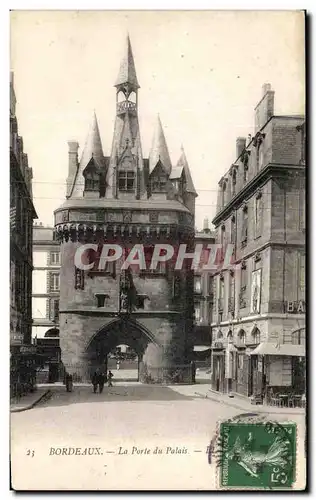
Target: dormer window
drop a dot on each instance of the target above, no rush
(92, 181)
(126, 180)
(91, 177)
(158, 184)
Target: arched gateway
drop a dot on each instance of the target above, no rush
(119, 331)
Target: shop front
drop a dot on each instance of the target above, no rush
(218, 367)
(279, 370)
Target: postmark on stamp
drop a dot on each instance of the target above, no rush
(256, 454)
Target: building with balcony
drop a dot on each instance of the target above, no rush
(258, 340)
(22, 214)
(45, 301)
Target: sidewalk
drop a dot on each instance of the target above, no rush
(29, 400)
(240, 402)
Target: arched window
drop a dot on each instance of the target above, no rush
(132, 97)
(229, 336)
(219, 335)
(120, 96)
(255, 336)
(241, 337)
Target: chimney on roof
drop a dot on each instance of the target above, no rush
(240, 145)
(73, 147)
(206, 228)
(265, 108)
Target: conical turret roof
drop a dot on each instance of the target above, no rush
(127, 72)
(183, 162)
(159, 149)
(92, 149)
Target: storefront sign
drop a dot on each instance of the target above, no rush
(29, 349)
(295, 307)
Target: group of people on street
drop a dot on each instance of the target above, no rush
(99, 378)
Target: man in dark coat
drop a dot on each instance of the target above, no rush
(95, 381)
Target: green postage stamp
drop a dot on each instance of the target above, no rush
(256, 455)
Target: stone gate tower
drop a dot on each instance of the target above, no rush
(125, 199)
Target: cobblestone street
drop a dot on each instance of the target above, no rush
(125, 428)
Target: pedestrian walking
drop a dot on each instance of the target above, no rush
(110, 376)
(118, 364)
(101, 382)
(95, 381)
(69, 383)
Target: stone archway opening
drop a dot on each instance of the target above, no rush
(122, 340)
(123, 361)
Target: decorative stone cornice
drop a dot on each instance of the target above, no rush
(94, 232)
(271, 170)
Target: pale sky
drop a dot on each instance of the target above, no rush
(202, 71)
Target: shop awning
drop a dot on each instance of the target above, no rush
(199, 348)
(271, 349)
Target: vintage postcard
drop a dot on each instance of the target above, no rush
(157, 267)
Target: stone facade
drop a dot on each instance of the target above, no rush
(260, 298)
(22, 213)
(127, 200)
(203, 299)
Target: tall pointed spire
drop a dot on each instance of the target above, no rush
(127, 72)
(183, 162)
(93, 145)
(92, 148)
(159, 149)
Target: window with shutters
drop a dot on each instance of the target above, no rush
(244, 226)
(233, 234)
(54, 310)
(258, 215)
(221, 293)
(54, 258)
(223, 243)
(197, 312)
(231, 298)
(197, 284)
(243, 286)
(54, 282)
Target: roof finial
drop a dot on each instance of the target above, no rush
(127, 72)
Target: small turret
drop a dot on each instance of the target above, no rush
(92, 150)
(159, 150)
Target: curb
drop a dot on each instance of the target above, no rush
(30, 406)
(258, 409)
